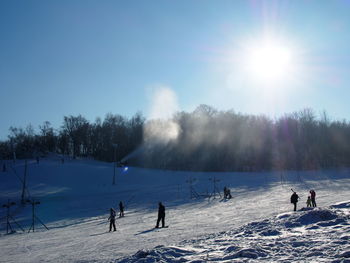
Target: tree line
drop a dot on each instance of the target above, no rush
(206, 140)
(77, 137)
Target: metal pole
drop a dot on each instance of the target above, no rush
(24, 182)
(115, 149)
(33, 204)
(8, 214)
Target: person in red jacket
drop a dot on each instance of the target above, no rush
(313, 198)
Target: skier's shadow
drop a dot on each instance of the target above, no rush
(146, 231)
(98, 234)
(225, 200)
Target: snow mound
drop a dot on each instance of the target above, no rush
(161, 254)
(309, 217)
(345, 204)
(311, 235)
(252, 253)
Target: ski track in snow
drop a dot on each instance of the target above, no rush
(256, 225)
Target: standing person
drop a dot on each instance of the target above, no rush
(112, 220)
(225, 192)
(121, 209)
(161, 215)
(294, 200)
(228, 193)
(313, 198)
(308, 201)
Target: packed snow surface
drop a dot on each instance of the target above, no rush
(257, 224)
(311, 235)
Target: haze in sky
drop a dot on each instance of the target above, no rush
(62, 58)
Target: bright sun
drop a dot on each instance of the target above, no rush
(269, 61)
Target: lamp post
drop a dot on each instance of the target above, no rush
(115, 156)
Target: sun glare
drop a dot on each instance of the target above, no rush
(269, 61)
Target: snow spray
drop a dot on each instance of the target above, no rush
(133, 153)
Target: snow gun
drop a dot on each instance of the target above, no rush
(122, 164)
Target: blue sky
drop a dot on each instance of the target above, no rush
(60, 58)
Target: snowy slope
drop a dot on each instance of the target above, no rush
(75, 198)
(311, 235)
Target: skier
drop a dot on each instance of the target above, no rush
(161, 215)
(308, 202)
(228, 193)
(294, 200)
(225, 192)
(112, 220)
(121, 209)
(313, 198)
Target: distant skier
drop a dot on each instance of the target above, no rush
(161, 215)
(313, 198)
(121, 209)
(294, 200)
(228, 195)
(112, 220)
(308, 201)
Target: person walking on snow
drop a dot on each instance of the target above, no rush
(313, 198)
(308, 202)
(294, 200)
(225, 192)
(228, 191)
(121, 209)
(161, 215)
(112, 220)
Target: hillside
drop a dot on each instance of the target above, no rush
(75, 197)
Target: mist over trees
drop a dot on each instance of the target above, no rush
(203, 140)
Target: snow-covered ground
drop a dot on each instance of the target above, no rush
(310, 235)
(256, 225)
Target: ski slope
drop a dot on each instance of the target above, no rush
(257, 224)
(310, 235)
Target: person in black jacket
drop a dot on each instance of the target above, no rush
(161, 215)
(121, 209)
(112, 220)
(294, 200)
